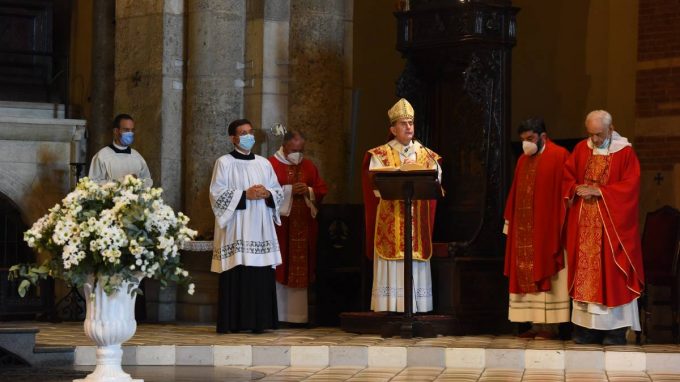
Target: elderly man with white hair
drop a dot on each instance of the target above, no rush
(602, 186)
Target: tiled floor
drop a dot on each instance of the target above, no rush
(192, 338)
(333, 374)
(72, 334)
(441, 374)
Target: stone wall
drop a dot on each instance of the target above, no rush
(214, 96)
(35, 152)
(266, 70)
(573, 57)
(149, 85)
(316, 90)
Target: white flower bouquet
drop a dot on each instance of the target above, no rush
(118, 232)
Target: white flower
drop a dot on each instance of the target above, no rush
(96, 218)
(191, 289)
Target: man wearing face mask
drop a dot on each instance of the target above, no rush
(303, 190)
(534, 213)
(118, 159)
(245, 198)
(384, 238)
(602, 186)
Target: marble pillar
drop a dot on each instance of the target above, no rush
(316, 88)
(266, 70)
(149, 85)
(103, 48)
(214, 96)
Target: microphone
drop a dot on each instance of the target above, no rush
(436, 163)
(431, 156)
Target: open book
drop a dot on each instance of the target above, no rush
(403, 167)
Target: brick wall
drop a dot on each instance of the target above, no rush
(658, 29)
(658, 153)
(657, 94)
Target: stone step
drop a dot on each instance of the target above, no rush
(21, 342)
(661, 358)
(31, 110)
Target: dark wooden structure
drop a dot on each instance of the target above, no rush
(34, 50)
(661, 257)
(343, 274)
(457, 77)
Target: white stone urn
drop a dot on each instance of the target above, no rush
(109, 322)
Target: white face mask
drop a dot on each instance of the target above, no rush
(530, 148)
(294, 158)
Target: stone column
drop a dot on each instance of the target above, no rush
(215, 48)
(316, 89)
(266, 69)
(103, 48)
(149, 85)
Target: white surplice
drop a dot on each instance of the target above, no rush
(108, 165)
(388, 275)
(244, 236)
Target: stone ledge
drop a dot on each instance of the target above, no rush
(41, 129)
(17, 330)
(381, 356)
(197, 246)
(54, 349)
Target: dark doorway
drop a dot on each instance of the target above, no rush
(14, 250)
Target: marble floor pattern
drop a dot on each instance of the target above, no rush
(71, 334)
(354, 374)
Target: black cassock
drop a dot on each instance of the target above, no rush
(247, 297)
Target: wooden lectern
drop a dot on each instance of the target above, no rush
(407, 186)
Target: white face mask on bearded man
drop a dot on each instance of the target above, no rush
(529, 148)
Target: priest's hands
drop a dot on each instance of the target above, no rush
(257, 192)
(300, 189)
(587, 191)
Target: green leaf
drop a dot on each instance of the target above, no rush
(23, 287)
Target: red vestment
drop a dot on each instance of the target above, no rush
(602, 240)
(298, 231)
(535, 212)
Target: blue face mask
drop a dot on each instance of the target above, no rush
(604, 144)
(127, 138)
(246, 142)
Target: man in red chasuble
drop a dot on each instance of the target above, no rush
(534, 213)
(303, 190)
(385, 219)
(602, 186)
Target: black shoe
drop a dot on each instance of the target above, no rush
(615, 337)
(583, 336)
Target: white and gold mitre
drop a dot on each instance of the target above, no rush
(401, 109)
